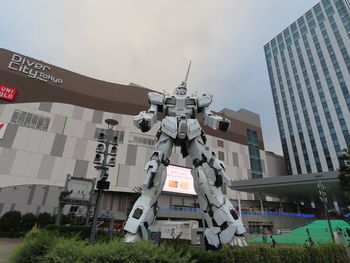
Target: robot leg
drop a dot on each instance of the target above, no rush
(222, 221)
(143, 212)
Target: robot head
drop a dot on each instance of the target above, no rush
(181, 89)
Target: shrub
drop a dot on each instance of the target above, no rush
(47, 246)
(10, 221)
(66, 250)
(36, 244)
(45, 219)
(27, 223)
(82, 231)
(117, 251)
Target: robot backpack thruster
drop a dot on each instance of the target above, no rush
(181, 128)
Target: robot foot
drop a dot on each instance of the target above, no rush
(239, 241)
(130, 237)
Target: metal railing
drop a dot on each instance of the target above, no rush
(268, 213)
(179, 209)
(244, 212)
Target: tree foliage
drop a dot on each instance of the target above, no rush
(28, 221)
(344, 174)
(10, 221)
(45, 219)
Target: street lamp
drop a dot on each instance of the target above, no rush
(104, 159)
(323, 197)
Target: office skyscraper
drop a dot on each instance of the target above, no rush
(309, 65)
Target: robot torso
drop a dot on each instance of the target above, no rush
(180, 111)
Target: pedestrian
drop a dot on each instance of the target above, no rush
(273, 242)
(264, 238)
(311, 241)
(308, 231)
(348, 231)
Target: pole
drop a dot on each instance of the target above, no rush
(324, 199)
(281, 206)
(239, 204)
(103, 176)
(61, 202)
(94, 220)
(59, 214)
(329, 221)
(87, 219)
(261, 204)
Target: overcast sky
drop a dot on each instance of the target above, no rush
(151, 42)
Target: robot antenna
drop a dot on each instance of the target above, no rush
(188, 71)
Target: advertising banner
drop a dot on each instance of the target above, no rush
(81, 189)
(173, 229)
(3, 127)
(179, 180)
(7, 93)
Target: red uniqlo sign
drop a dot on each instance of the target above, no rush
(7, 93)
(3, 127)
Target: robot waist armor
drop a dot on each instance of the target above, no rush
(181, 127)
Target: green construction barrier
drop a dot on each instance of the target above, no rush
(318, 231)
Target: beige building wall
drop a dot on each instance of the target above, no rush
(29, 156)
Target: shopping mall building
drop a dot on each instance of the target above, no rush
(50, 119)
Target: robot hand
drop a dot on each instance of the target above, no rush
(145, 124)
(224, 124)
(144, 121)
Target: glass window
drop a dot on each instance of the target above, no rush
(39, 124)
(254, 154)
(141, 139)
(30, 120)
(15, 117)
(21, 118)
(45, 124)
(221, 156)
(34, 121)
(220, 143)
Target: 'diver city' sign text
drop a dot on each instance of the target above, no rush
(32, 69)
(7, 93)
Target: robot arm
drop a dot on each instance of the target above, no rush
(146, 119)
(211, 120)
(215, 121)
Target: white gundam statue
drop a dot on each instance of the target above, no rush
(181, 128)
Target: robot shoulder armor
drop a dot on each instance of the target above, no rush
(205, 100)
(156, 98)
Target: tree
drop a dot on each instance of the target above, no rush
(344, 174)
(28, 221)
(10, 221)
(45, 219)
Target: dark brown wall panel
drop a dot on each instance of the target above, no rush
(95, 94)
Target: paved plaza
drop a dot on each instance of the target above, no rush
(6, 246)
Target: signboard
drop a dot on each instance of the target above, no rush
(32, 69)
(3, 127)
(7, 93)
(179, 180)
(174, 229)
(80, 187)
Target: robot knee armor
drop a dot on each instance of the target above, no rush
(153, 166)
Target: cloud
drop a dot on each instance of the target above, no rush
(151, 42)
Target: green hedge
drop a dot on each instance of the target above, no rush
(80, 231)
(46, 246)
